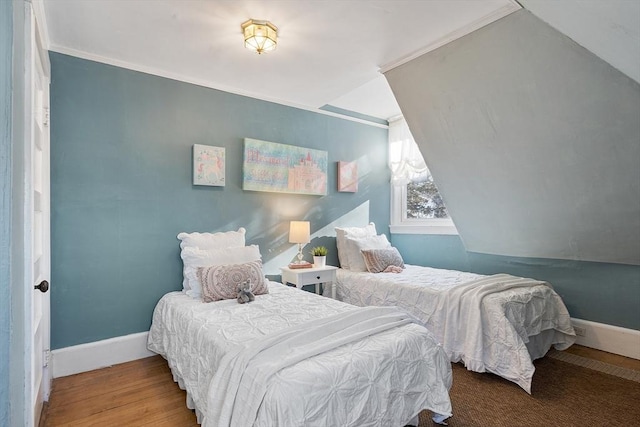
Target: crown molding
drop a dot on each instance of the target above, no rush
(493, 16)
(198, 82)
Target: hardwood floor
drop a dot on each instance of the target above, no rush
(142, 393)
(603, 356)
(138, 393)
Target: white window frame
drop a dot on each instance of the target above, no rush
(408, 164)
(400, 224)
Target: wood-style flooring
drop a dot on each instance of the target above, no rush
(142, 393)
(138, 393)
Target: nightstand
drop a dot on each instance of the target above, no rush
(310, 276)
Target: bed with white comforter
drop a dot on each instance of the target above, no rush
(495, 324)
(256, 364)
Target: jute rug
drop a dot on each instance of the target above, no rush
(563, 394)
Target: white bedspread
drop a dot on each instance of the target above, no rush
(484, 321)
(383, 379)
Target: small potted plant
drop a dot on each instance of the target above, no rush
(319, 256)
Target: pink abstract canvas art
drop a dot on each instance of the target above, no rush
(348, 177)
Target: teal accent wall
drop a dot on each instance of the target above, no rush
(599, 292)
(6, 63)
(121, 187)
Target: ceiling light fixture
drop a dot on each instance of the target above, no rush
(259, 36)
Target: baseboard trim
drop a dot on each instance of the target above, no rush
(612, 339)
(99, 354)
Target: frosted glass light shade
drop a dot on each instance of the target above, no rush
(259, 36)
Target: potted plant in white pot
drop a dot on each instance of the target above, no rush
(319, 256)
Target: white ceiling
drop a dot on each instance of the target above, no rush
(329, 51)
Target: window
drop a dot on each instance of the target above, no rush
(416, 205)
(424, 200)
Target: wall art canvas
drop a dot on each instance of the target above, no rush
(348, 177)
(208, 165)
(281, 168)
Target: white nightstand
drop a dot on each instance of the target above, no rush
(309, 276)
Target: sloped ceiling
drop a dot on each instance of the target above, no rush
(608, 28)
(533, 141)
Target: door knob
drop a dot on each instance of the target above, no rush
(43, 286)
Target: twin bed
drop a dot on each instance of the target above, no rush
(496, 324)
(364, 379)
(290, 357)
(295, 358)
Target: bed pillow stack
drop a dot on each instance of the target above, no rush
(354, 247)
(194, 258)
(224, 249)
(361, 249)
(352, 232)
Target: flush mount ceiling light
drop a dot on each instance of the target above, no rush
(259, 36)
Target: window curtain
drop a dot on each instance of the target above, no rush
(405, 160)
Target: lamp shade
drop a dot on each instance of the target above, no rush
(259, 36)
(299, 232)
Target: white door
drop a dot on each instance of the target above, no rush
(37, 236)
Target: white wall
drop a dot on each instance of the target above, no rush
(532, 140)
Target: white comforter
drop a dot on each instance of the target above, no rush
(487, 327)
(383, 379)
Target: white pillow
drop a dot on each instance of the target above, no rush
(220, 240)
(193, 258)
(354, 247)
(355, 232)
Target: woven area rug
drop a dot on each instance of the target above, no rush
(596, 365)
(563, 394)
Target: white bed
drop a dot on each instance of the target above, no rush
(500, 331)
(384, 379)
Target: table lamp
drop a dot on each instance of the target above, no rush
(299, 233)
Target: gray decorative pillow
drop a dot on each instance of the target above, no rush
(377, 260)
(221, 281)
(354, 247)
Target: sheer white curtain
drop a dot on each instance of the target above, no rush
(405, 160)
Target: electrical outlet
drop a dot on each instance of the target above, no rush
(580, 332)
